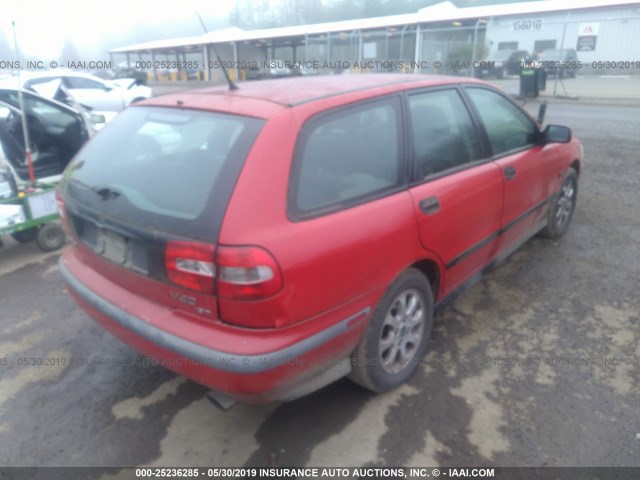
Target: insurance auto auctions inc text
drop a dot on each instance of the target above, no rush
(347, 473)
(375, 64)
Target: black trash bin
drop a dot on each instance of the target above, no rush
(529, 82)
(541, 75)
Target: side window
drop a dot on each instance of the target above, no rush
(507, 127)
(51, 115)
(345, 157)
(49, 112)
(79, 82)
(443, 133)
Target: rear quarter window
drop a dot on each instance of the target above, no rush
(346, 157)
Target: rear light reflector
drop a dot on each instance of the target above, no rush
(247, 273)
(191, 265)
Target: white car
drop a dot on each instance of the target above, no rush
(103, 97)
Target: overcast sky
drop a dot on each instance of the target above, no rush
(96, 26)
(43, 25)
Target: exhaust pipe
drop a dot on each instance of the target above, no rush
(220, 400)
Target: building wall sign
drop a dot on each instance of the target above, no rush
(528, 25)
(587, 37)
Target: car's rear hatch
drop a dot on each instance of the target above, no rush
(146, 197)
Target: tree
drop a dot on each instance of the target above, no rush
(6, 50)
(69, 52)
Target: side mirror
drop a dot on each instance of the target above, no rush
(541, 112)
(556, 134)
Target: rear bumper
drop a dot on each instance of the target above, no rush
(281, 374)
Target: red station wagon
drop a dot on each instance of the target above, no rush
(269, 240)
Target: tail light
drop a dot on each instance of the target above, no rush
(190, 264)
(247, 273)
(235, 273)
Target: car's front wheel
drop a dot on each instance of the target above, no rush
(561, 212)
(396, 338)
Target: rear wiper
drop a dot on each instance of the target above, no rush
(106, 193)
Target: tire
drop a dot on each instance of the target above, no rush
(564, 203)
(396, 338)
(25, 236)
(50, 237)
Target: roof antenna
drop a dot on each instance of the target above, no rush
(232, 86)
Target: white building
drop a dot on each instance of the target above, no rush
(599, 30)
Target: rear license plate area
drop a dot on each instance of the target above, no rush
(112, 246)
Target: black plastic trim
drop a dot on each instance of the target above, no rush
(489, 238)
(488, 267)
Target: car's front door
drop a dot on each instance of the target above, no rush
(530, 171)
(456, 192)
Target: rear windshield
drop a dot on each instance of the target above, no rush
(168, 169)
(554, 54)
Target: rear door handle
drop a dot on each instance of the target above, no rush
(509, 173)
(430, 205)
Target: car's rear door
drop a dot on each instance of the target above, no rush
(457, 190)
(530, 171)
